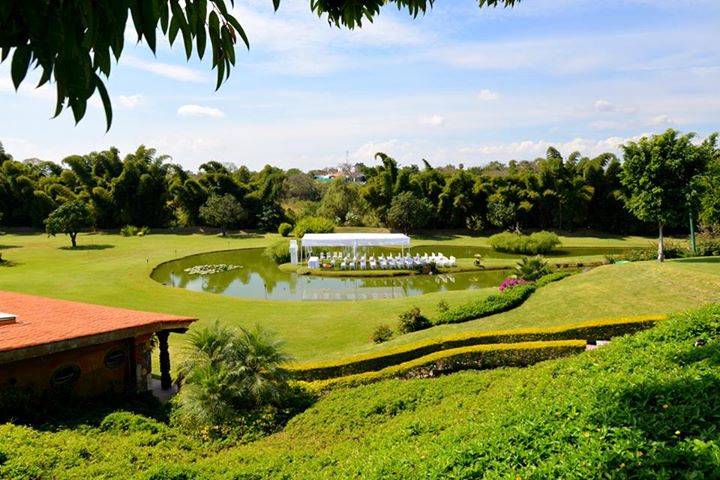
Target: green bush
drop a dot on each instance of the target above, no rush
(313, 225)
(382, 333)
(551, 277)
(120, 422)
(285, 229)
(533, 244)
(456, 359)
(707, 244)
(412, 321)
(603, 329)
(129, 231)
(443, 306)
(532, 268)
(278, 252)
(496, 303)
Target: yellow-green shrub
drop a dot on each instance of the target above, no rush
(456, 359)
(593, 330)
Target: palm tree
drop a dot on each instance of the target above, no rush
(227, 373)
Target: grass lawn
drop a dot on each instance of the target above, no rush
(114, 270)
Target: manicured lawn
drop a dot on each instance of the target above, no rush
(114, 270)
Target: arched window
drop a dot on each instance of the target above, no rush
(116, 358)
(65, 376)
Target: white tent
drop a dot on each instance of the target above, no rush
(355, 240)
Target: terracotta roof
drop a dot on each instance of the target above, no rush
(57, 325)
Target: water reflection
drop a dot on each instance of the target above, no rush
(260, 278)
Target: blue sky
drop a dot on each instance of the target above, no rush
(459, 85)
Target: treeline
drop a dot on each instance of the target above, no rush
(147, 189)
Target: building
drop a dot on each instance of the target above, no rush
(48, 344)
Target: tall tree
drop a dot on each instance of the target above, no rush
(659, 173)
(222, 211)
(70, 218)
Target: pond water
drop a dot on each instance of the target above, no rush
(260, 278)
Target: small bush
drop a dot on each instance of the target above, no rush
(707, 244)
(278, 252)
(532, 268)
(382, 333)
(129, 231)
(511, 282)
(412, 321)
(313, 225)
(129, 422)
(443, 306)
(133, 231)
(284, 229)
(538, 242)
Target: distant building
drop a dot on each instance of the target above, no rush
(48, 344)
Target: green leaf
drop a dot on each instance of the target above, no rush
(107, 105)
(20, 64)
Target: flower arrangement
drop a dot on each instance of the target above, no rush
(511, 282)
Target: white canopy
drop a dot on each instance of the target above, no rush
(354, 239)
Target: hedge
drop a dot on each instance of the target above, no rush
(594, 330)
(533, 244)
(456, 359)
(496, 303)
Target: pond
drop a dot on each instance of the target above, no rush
(260, 278)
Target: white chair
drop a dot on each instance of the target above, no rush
(343, 265)
(363, 264)
(453, 261)
(373, 264)
(390, 263)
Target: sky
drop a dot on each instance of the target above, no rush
(458, 85)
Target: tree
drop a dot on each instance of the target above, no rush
(69, 218)
(222, 211)
(659, 174)
(74, 41)
(228, 373)
(408, 212)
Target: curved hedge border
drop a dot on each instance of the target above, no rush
(593, 330)
(453, 360)
(497, 303)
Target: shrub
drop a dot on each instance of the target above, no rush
(603, 329)
(463, 358)
(509, 299)
(412, 321)
(382, 333)
(551, 277)
(538, 242)
(129, 231)
(443, 306)
(313, 225)
(278, 252)
(707, 244)
(129, 422)
(143, 231)
(532, 268)
(511, 282)
(284, 229)
(229, 374)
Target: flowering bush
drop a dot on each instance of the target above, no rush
(511, 282)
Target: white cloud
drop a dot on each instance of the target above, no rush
(130, 101)
(487, 95)
(199, 111)
(433, 120)
(660, 120)
(604, 106)
(175, 72)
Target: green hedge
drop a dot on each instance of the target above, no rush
(456, 359)
(533, 244)
(594, 330)
(496, 303)
(313, 225)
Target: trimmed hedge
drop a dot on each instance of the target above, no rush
(593, 330)
(456, 359)
(496, 303)
(533, 244)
